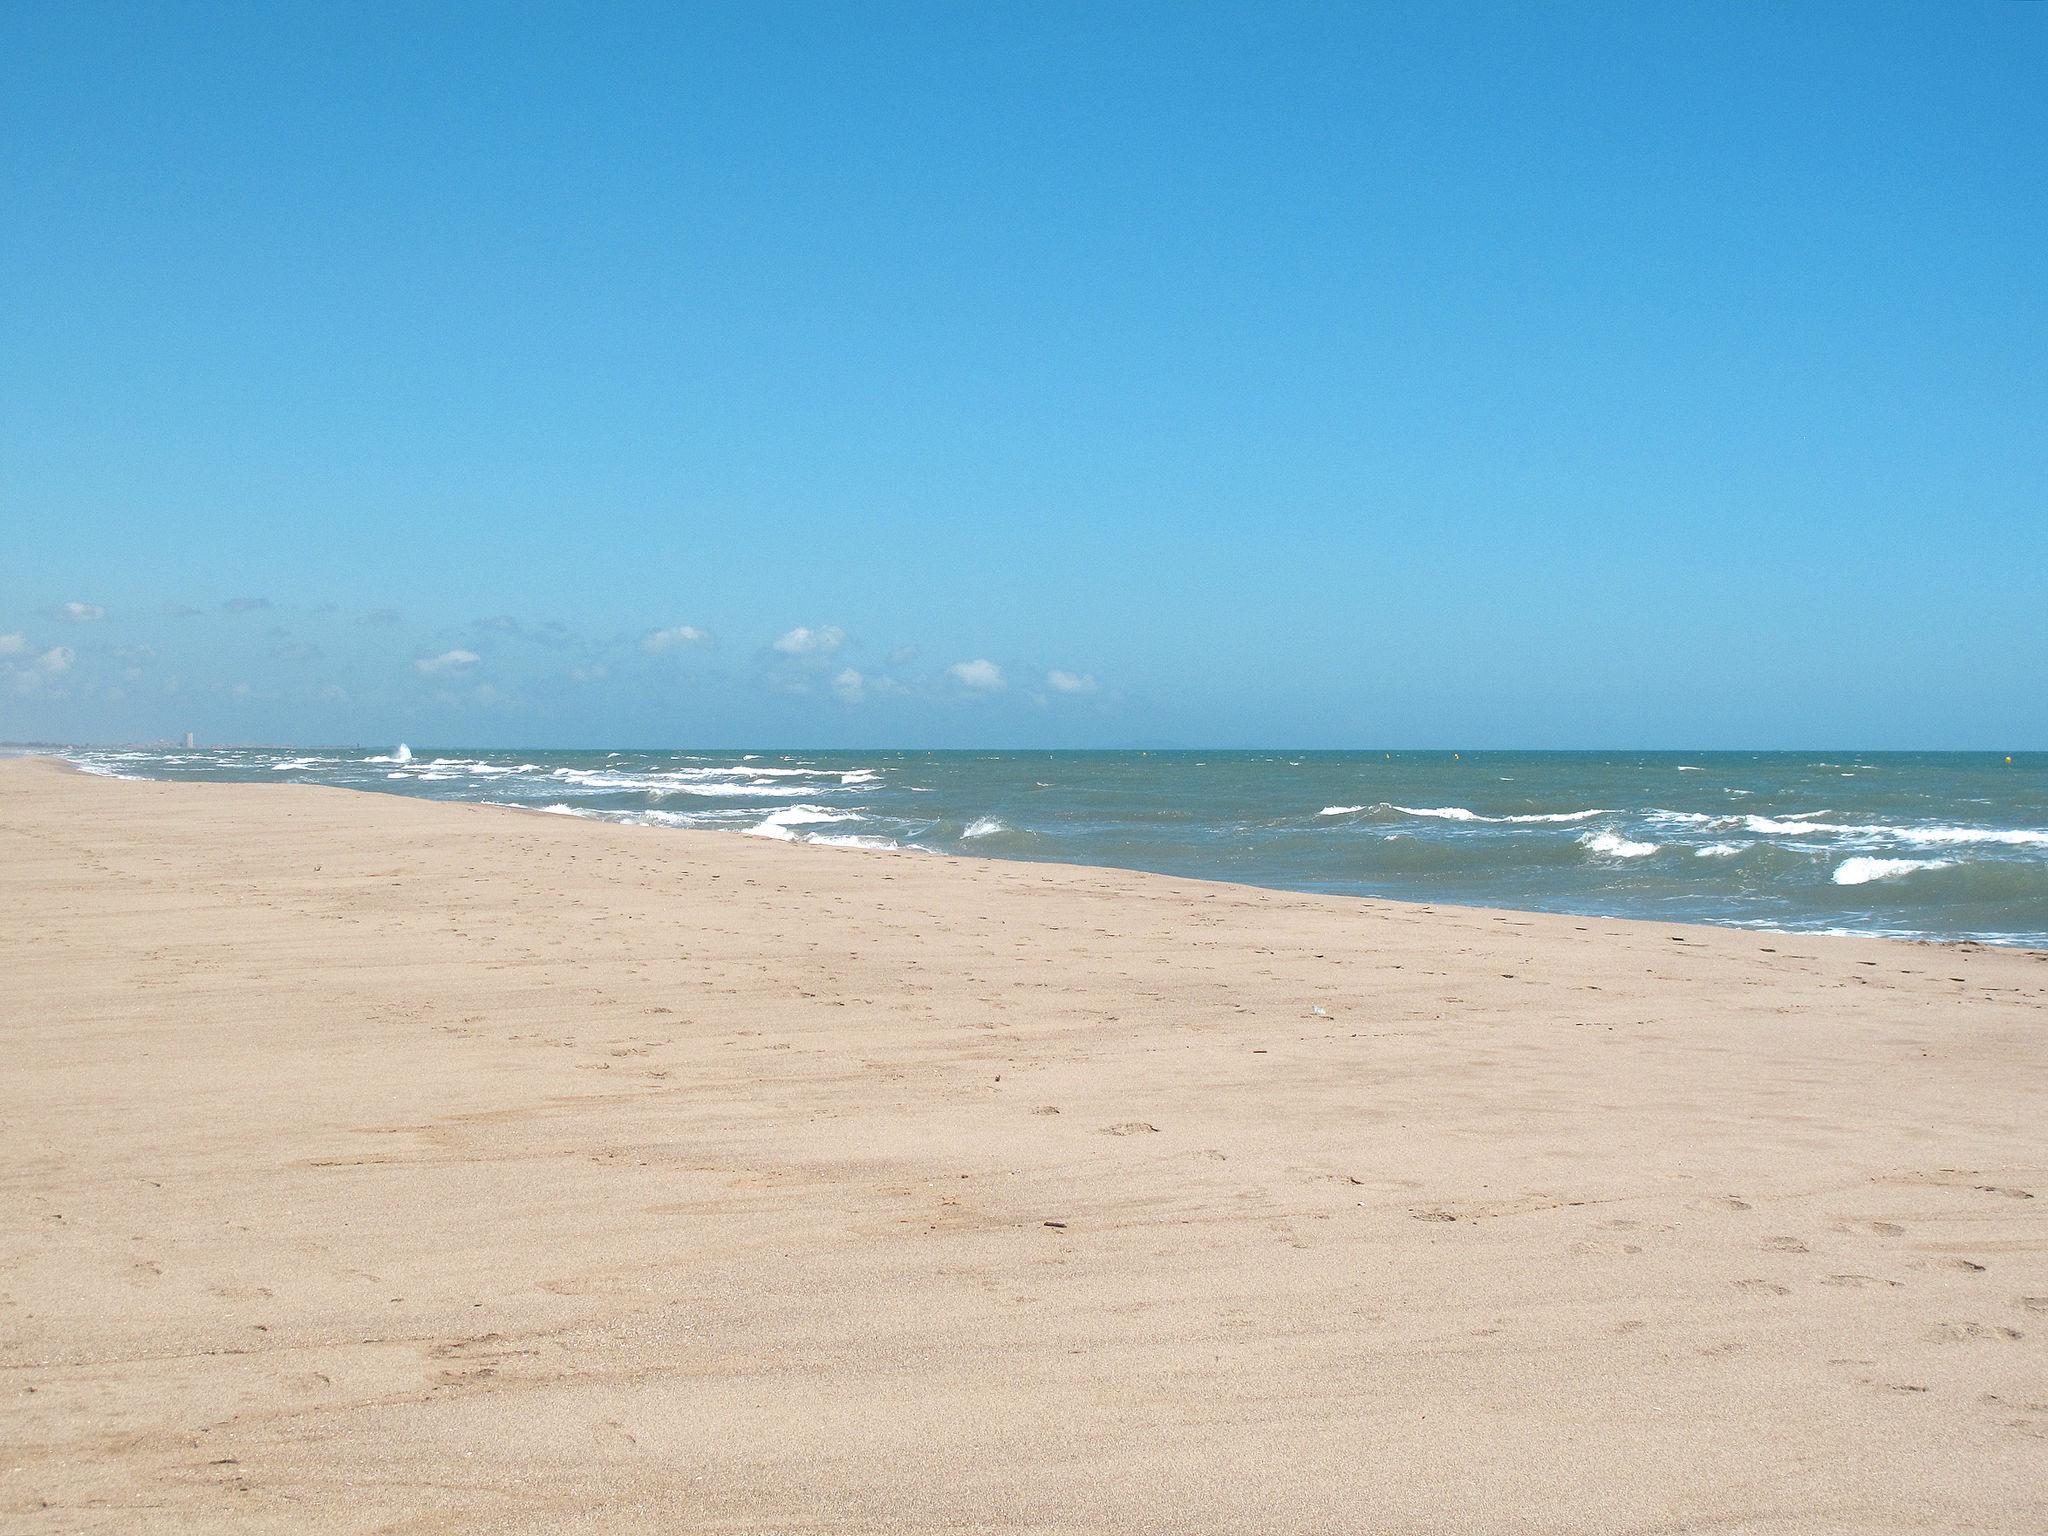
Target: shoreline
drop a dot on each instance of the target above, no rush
(69, 766)
(382, 1163)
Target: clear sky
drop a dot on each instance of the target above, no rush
(859, 374)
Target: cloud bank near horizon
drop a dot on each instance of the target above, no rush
(249, 668)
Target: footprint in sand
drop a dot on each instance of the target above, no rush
(1762, 1288)
(1785, 1245)
(1958, 1333)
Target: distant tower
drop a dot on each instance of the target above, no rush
(188, 740)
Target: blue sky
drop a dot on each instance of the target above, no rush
(1039, 374)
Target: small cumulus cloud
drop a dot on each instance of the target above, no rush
(551, 633)
(13, 645)
(42, 672)
(676, 637)
(77, 613)
(1069, 682)
(849, 687)
(448, 661)
(981, 675)
(596, 672)
(805, 641)
(181, 611)
(246, 604)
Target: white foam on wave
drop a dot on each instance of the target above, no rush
(1614, 846)
(1861, 871)
(1686, 819)
(984, 826)
(1937, 835)
(1529, 818)
(1721, 850)
(99, 770)
(687, 782)
(400, 754)
(781, 825)
(1795, 826)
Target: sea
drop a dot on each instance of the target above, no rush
(1935, 846)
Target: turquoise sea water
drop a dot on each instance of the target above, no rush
(1936, 845)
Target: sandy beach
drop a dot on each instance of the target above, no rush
(370, 1164)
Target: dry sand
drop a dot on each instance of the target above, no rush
(375, 1165)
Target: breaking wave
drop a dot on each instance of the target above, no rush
(1862, 871)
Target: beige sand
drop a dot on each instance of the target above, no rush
(372, 1165)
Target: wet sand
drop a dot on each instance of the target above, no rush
(369, 1164)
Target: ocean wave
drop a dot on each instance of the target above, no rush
(1765, 826)
(1937, 835)
(99, 770)
(984, 826)
(1861, 871)
(685, 782)
(1721, 850)
(1614, 846)
(400, 754)
(781, 825)
(1461, 813)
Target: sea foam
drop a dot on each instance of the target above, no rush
(1614, 846)
(1861, 871)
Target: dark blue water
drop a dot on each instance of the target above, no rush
(1936, 845)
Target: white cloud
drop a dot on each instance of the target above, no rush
(803, 641)
(850, 687)
(1070, 682)
(983, 675)
(448, 661)
(596, 672)
(674, 638)
(13, 645)
(39, 674)
(81, 613)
